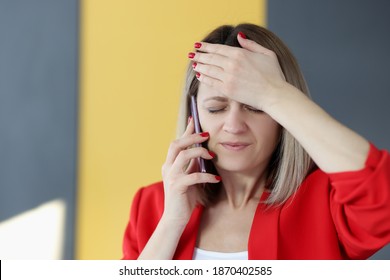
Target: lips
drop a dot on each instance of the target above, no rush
(235, 146)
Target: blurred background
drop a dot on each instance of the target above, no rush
(89, 95)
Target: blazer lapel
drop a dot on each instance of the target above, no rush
(263, 238)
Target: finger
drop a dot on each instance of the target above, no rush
(197, 178)
(211, 82)
(185, 156)
(201, 178)
(192, 167)
(209, 70)
(190, 127)
(253, 46)
(209, 58)
(183, 143)
(223, 50)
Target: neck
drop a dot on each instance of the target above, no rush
(240, 189)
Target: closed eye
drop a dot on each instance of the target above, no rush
(215, 110)
(252, 109)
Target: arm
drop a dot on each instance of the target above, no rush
(140, 241)
(143, 217)
(163, 243)
(360, 206)
(332, 146)
(180, 198)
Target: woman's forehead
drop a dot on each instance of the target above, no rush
(206, 92)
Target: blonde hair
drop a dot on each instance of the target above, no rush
(290, 163)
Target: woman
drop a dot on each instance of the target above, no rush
(285, 180)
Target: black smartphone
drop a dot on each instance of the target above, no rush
(195, 117)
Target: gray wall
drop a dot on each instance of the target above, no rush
(343, 48)
(38, 107)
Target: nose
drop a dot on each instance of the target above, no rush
(234, 121)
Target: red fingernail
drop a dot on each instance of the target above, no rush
(218, 177)
(191, 55)
(212, 154)
(189, 119)
(198, 75)
(197, 45)
(194, 64)
(204, 134)
(242, 35)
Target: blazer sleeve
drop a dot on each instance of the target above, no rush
(360, 206)
(130, 241)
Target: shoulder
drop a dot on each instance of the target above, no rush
(316, 184)
(315, 177)
(151, 193)
(146, 211)
(152, 190)
(149, 199)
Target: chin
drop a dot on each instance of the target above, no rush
(234, 165)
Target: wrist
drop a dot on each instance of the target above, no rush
(271, 96)
(163, 242)
(172, 224)
(279, 94)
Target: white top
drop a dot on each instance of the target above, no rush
(200, 254)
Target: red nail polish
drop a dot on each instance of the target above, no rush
(212, 154)
(218, 177)
(191, 55)
(242, 35)
(194, 64)
(189, 119)
(197, 45)
(198, 75)
(204, 134)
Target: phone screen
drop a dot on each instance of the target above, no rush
(195, 117)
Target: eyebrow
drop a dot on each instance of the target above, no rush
(216, 98)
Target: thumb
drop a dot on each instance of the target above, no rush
(251, 45)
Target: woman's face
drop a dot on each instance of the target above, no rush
(242, 137)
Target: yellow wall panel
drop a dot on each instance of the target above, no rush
(133, 58)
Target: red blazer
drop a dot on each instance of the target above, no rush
(332, 216)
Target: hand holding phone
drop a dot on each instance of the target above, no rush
(195, 117)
